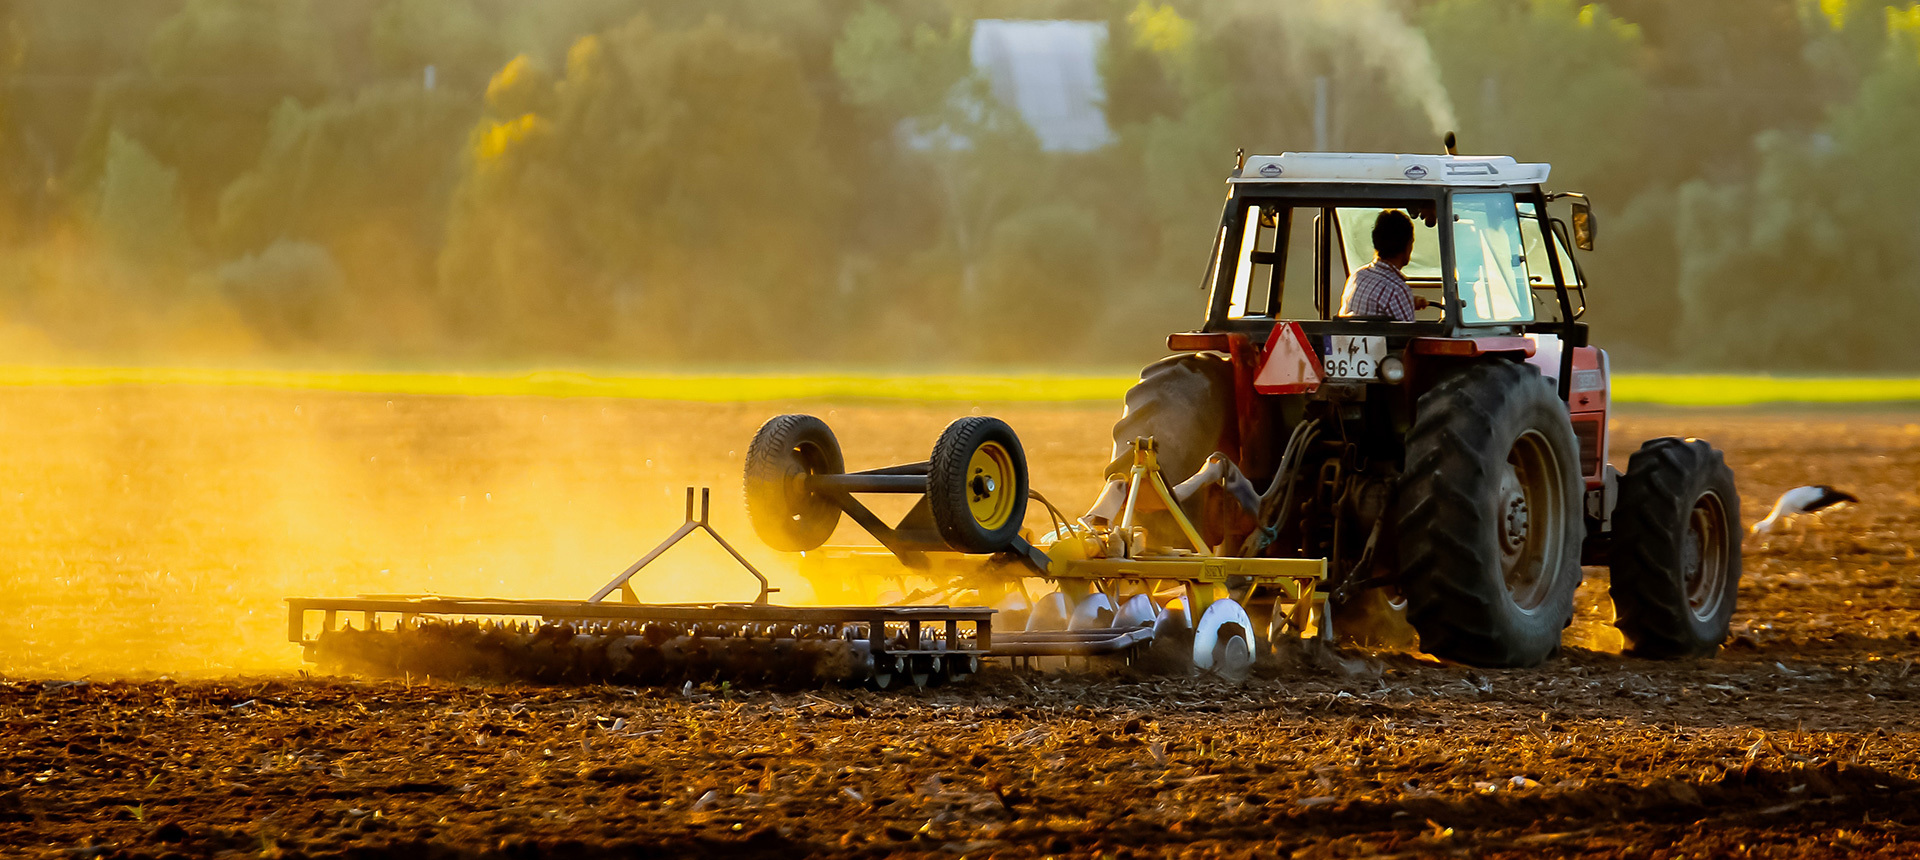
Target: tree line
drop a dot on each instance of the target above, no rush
(834, 182)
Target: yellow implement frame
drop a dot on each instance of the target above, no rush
(1205, 574)
(1202, 572)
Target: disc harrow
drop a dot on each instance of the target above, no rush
(628, 642)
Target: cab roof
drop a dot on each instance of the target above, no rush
(1384, 167)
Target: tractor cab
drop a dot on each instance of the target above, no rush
(1492, 264)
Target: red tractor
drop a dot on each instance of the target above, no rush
(1452, 469)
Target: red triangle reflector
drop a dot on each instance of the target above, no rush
(1291, 365)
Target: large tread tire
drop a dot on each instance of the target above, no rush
(785, 514)
(955, 489)
(1452, 515)
(1676, 550)
(1184, 402)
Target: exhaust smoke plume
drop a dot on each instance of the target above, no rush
(1372, 35)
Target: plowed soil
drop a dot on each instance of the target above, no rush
(152, 708)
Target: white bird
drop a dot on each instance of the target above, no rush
(1802, 500)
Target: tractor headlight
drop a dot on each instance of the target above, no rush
(1392, 370)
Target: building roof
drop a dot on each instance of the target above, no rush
(1049, 72)
(1383, 167)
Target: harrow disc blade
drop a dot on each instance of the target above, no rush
(1049, 613)
(1093, 613)
(1223, 640)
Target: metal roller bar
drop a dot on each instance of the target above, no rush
(919, 468)
(859, 482)
(1074, 643)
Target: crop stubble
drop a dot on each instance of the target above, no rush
(156, 530)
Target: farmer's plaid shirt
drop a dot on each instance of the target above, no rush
(1377, 289)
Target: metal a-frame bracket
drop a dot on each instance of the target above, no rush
(693, 524)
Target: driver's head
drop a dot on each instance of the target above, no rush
(1393, 236)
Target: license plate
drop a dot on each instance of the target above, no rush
(1354, 356)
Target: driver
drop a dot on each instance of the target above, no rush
(1378, 288)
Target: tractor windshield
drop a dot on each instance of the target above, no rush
(1490, 262)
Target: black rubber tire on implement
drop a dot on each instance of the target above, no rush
(957, 484)
(1491, 462)
(788, 516)
(1184, 402)
(1676, 550)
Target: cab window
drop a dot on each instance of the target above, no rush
(1259, 272)
(1490, 263)
(1539, 270)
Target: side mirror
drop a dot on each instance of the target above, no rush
(1583, 225)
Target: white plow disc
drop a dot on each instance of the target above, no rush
(1137, 611)
(1093, 613)
(1012, 610)
(1050, 613)
(1223, 640)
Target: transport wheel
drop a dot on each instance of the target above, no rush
(785, 513)
(1676, 549)
(977, 485)
(1223, 640)
(1489, 517)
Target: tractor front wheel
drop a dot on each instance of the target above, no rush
(1676, 549)
(1488, 517)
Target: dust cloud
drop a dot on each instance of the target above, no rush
(158, 530)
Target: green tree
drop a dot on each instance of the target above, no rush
(1568, 84)
(452, 36)
(669, 189)
(1243, 77)
(369, 178)
(52, 55)
(140, 212)
(1810, 264)
(1564, 86)
(213, 75)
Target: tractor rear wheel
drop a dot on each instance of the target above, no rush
(1676, 549)
(1488, 517)
(1184, 402)
(786, 514)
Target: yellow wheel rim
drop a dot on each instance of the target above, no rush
(990, 485)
